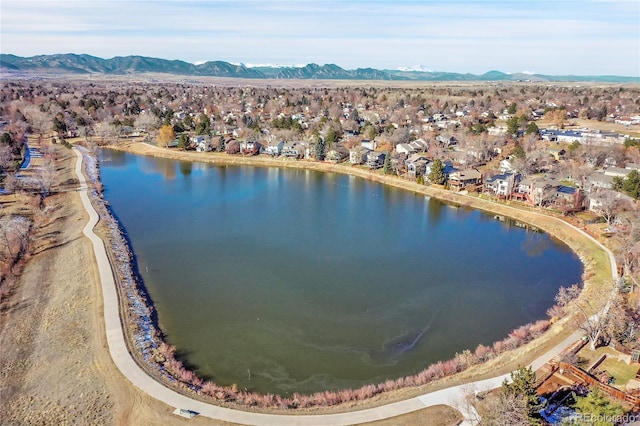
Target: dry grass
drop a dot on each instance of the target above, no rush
(438, 415)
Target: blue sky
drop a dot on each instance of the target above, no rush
(579, 37)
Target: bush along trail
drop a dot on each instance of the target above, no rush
(156, 371)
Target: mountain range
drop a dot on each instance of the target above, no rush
(126, 65)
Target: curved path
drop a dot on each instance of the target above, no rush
(453, 396)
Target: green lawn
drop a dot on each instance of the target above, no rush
(621, 371)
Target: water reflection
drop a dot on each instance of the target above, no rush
(315, 281)
(186, 168)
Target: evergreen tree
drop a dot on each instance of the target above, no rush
(602, 113)
(519, 152)
(6, 139)
(320, 150)
(183, 141)
(598, 408)
(523, 385)
(204, 125)
(221, 144)
(437, 175)
(188, 122)
(629, 185)
(387, 164)
(532, 128)
(332, 137)
(355, 116)
(512, 125)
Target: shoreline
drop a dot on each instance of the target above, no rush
(446, 196)
(544, 221)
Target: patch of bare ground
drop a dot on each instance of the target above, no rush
(438, 415)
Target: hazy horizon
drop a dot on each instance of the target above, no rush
(562, 38)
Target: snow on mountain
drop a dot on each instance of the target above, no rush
(420, 68)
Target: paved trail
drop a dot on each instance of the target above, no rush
(453, 396)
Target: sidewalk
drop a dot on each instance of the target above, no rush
(453, 396)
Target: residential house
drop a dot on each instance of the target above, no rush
(371, 145)
(537, 114)
(203, 144)
(568, 199)
(195, 140)
(557, 152)
(461, 179)
(375, 159)
(598, 198)
(598, 180)
(420, 145)
(537, 190)
(358, 155)
(610, 162)
(502, 185)
(405, 148)
(274, 148)
(417, 168)
(250, 147)
(232, 147)
(446, 141)
(416, 165)
(337, 154)
(506, 166)
(617, 172)
(448, 168)
(292, 150)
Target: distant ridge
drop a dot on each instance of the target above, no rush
(71, 63)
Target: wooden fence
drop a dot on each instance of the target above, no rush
(592, 381)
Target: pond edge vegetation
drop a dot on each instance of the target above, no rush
(160, 360)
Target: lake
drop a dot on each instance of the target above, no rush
(283, 280)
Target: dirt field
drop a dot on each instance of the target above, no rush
(54, 364)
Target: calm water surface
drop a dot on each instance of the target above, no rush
(297, 281)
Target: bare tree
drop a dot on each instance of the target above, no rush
(40, 121)
(627, 249)
(14, 234)
(609, 204)
(505, 409)
(46, 178)
(594, 314)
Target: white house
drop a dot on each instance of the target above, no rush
(502, 185)
(358, 155)
(420, 145)
(506, 166)
(274, 148)
(371, 145)
(405, 148)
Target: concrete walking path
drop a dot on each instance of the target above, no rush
(453, 396)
